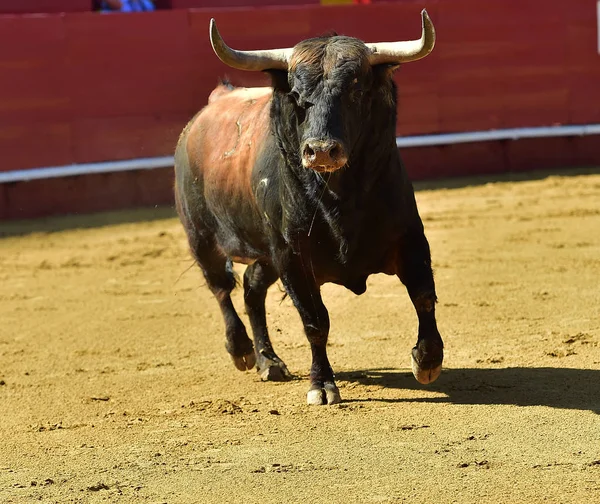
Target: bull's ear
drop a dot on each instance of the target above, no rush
(279, 80)
(383, 75)
(383, 81)
(385, 70)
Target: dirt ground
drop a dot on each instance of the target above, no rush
(115, 385)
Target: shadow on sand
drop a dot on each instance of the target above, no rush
(564, 388)
(85, 221)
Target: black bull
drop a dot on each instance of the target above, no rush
(303, 182)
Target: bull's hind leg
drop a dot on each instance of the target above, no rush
(257, 279)
(219, 276)
(414, 270)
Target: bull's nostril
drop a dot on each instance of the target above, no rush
(334, 152)
(309, 151)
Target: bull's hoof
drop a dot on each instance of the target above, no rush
(272, 368)
(275, 373)
(320, 394)
(427, 365)
(425, 376)
(245, 362)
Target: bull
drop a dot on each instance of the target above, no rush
(302, 181)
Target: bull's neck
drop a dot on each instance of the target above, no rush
(338, 200)
(369, 159)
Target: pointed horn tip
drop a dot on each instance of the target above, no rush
(212, 28)
(213, 31)
(428, 26)
(215, 37)
(425, 18)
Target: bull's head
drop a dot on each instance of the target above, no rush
(331, 86)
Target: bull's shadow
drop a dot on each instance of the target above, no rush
(565, 388)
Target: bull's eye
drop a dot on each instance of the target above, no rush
(295, 96)
(298, 101)
(300, 115)
(357, 94)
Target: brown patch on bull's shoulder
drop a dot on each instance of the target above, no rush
(187, 128)
(237, 141)
(225, 140)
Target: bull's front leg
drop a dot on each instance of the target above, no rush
(302, 288)
(414, 270)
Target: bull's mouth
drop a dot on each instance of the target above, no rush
(321, 168)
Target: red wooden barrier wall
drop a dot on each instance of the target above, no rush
(84, 87)
(87, 87)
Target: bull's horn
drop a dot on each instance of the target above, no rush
(273, 59)
(405, 51)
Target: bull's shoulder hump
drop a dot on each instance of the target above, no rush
(239, 101)
(253, 93)
(223, 95)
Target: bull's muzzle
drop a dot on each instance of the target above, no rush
(323, 155)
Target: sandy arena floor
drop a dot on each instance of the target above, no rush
(115, 385)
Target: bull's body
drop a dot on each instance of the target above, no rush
(244, 194)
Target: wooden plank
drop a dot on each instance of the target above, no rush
(44, 6)
(155, 187)
(454, 160)
(59, 196)
(418, 108)
(131, 63)
(583, 76)
(32, 63)
(4, 205)
(495, 78)
(113, 138)
(587, 151)
(33, 144)
(371, 23)
(541, 153)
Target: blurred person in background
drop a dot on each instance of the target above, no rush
(125, 5)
